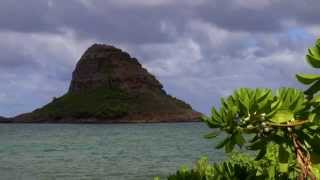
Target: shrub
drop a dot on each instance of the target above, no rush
(281, 126)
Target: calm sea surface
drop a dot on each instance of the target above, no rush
(112, 152)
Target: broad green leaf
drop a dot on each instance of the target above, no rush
(314, 51)
(313, 89)
(263, 98)
(239, 139)
(313, 61)
(244, 99)
(307, 78)
(282, 116)
(283, 159)
(262, 94)
(215, 113)
(274, 107)
(212, 123)
(297, 102)
(229, 106)
(264, 105)
(282, 93)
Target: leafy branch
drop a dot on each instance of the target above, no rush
(278, 118)
(286, 118)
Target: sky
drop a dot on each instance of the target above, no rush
(200, 50)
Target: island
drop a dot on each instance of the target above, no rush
(110, 86)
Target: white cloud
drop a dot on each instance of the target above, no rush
(217, 37)
(314, 30)
(29, 87)
(173, 59)
(208, 62)
(65, 47)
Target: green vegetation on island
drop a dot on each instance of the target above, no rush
(104, 103)
(100, 103)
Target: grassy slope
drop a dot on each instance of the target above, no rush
(108, 103)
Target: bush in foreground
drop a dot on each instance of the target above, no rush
(239, 166)
(281, 127)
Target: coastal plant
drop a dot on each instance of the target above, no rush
(313, 59)
(287, 118)
(281, 127)
(238, 166)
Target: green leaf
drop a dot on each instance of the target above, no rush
(313, 61)
(212, 123)
(261, 153)
(282, 116)
(239, 139)
(316, 170)
(307, 78)
(271, 171)
(297, 101)
(204, 118)
(312, 116)
(244, 99)
(211, 135)
(222, 143)
(215, 113)
(263, 99)
(283, 159)
(313, 89)
(259, 144)
(314, 51)
(316, 99)
(274, 107)
(229, 146)
(318, 42)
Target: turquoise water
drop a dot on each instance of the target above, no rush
(108, 151)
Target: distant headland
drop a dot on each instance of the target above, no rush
(109, 86)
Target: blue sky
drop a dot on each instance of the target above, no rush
(199, 50)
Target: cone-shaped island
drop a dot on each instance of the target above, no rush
(109, 86)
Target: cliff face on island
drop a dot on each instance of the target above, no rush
(109, 86)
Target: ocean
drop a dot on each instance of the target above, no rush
(101, 151)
